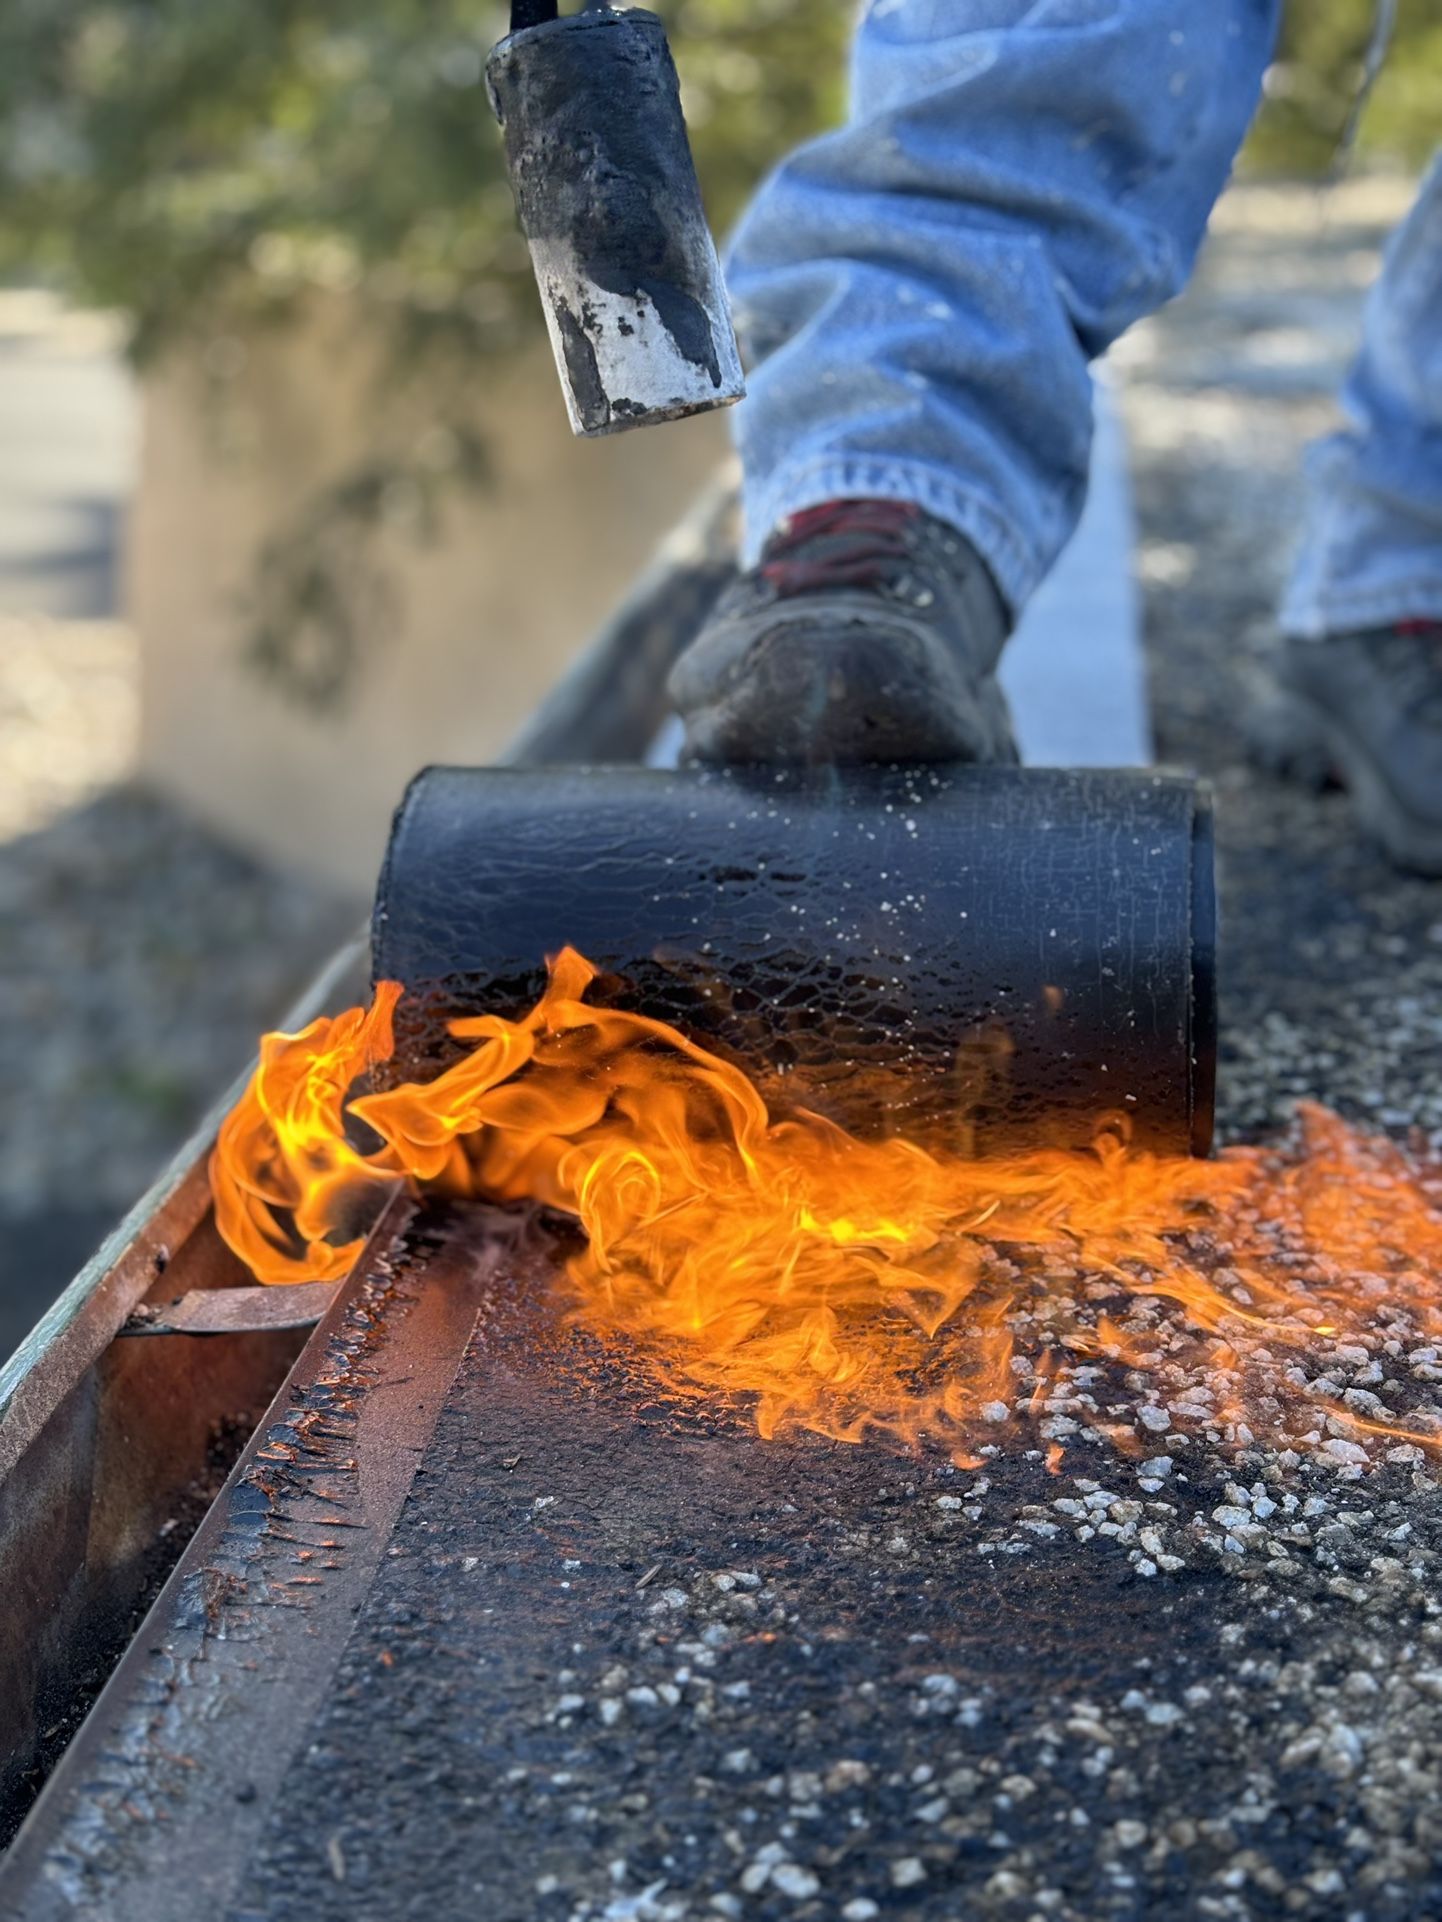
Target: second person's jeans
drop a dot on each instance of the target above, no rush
(1372, 552)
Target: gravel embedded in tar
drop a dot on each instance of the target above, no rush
(1201, 1682)
(623, 1660)
(625, 1663)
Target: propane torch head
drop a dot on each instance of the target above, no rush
(608, 199)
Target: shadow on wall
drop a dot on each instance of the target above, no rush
(458, 635)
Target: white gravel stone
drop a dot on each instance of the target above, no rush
(794, 1880)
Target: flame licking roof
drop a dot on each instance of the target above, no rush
(854, 1287)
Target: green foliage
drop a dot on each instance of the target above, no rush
(1319, 75)
(182, 161)
(203, 166)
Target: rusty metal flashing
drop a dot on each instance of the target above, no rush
(105, 1446)
(77, 1329)
(154, 1811)
(608, 706)
(251, 1310)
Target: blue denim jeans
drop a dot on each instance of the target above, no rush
(921, 292)
(1372, 552)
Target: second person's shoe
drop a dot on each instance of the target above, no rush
(1365, 709)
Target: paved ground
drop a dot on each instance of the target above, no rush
(67, 457)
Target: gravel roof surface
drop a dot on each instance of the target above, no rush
(624, 1665)
(616, 1666)
(621, 1664)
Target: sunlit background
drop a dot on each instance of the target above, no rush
(288, 505)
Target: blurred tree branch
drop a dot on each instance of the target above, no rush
(204, 169)
(1320, 70)
(188, 164)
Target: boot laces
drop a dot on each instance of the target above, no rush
(858, 543)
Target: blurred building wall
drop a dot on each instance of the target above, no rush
(468, 630)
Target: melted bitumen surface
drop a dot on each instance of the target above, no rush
(624, 1659)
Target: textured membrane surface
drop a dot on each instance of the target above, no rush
(973, 957)
(623, 1646)
(623, 1662)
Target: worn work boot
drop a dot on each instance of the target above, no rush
(869, 632)
(1366, 710)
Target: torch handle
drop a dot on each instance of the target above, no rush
(590, 109)
(535, 13)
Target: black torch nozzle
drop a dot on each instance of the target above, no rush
(535, 13)
(589, 103)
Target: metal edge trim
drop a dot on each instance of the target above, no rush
(80, 1324)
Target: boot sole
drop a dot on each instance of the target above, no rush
(843, 703)
(1314, 742)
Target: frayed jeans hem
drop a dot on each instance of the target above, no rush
(1016, 567)
(1321, 618)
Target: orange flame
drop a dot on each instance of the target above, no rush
(848, 1286)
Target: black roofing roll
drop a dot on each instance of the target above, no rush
(975, 957)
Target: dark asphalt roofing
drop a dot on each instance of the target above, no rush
(622, 1662)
